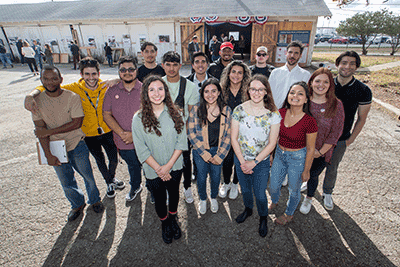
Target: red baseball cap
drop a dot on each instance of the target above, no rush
(226, 45)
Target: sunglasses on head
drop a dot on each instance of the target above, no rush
(88, 62)
(123, 70)
(261, 54)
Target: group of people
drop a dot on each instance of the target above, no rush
(261, 124)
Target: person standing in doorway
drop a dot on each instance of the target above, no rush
(75, 53)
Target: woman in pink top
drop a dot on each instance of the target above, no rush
(295, 150)
(329, 113)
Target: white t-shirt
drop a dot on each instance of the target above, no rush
(28, 52)
(281, 79)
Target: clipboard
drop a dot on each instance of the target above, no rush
(57, 148)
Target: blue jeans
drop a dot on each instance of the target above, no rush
(134, 167)
(78, 161)
(204, 168)
(291, 163)
(256, 182)
(38, 60)
(5, 59)
(110, 60)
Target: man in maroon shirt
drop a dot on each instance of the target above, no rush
(121, 101)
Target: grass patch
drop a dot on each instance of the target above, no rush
(366, 61)
(388, 79)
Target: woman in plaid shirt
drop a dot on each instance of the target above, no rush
(209, 131)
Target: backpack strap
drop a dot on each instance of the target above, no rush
(180, 100)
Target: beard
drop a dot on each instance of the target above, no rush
(125, 80)
(51, 91)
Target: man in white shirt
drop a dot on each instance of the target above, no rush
(282, 78)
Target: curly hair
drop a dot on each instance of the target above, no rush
(331, 99)
(268, 100)
(306, 106)
(202, 112)
(149, 120)
(226, 82)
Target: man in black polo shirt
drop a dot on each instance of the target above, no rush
(149, 53)
(226, 52)
(356, 98)
(261, 65)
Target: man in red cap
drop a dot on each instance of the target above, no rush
(226, 52)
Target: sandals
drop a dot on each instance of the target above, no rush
(284, 219)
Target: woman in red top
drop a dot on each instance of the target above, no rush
(329, 113)
(295, 150)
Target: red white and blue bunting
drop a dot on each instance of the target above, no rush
(240, 21)
(196, 19)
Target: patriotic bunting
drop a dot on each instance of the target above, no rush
(196, 19)
(240, 21)
(260, 20)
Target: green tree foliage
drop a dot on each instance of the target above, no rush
(391, 27)
(363, 25)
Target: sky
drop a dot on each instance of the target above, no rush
(338, 13)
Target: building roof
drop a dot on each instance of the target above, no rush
(157, 9)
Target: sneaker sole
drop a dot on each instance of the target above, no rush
(112, 196)
(331, 208)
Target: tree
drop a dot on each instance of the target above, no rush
(363, 25)
(391, 27)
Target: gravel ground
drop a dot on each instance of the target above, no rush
(362, 230)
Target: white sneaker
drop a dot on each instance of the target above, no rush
(328, 202)
(214, 205)
(285, 181)
(303, 187)
(223, 190)
(189, 195)
(203, 206)
(234, 191)
(306, 205)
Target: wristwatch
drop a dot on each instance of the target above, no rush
(256, 161)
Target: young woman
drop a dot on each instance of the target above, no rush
(209, 130)
(329, 113)
(255, 129)
(295, 150)
(159, 136)
(29, 56)
(49, 54)
(234, 81)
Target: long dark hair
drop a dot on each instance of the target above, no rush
(149, 120)
(331, 99)
(226, 82)
(202, 111)
(306, 106)
(268, 100)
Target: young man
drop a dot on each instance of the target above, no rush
(193, 47)
(282, 78)
(215, 45)
(199, 64)
(226, 52)
(149, 53)
(60, 117)
(98, 135)
(185, 94)
(75, 53)
(261, 65)
(356, 98)
(121, 101)
(109, 57)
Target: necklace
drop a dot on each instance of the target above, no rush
(212, 111)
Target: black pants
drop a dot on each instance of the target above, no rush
(158, 188)
(187, 167)
(94, 144)
(317, 167)
(31, 61)
(227, 168)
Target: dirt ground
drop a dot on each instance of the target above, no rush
(362, 230)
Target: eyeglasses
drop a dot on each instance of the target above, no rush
(254, 90)
(131, 70)
(261, 54)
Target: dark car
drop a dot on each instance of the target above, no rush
(325, 38)
(354, 40)
(338, 40)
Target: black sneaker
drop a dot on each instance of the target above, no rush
(98, 207)
(119, 184)
(133, 193)
(111, 190)
(74, 213)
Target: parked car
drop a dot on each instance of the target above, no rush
(325, 38)
(379, 39)
(354, 40)
(338, 40)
